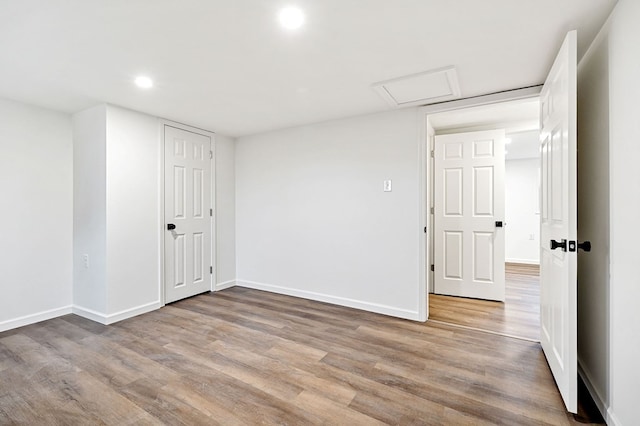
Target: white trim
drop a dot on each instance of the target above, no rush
(225, 285)
(611, 418)
(523, 261)
(341, 301)
(89, 314)
(494, 98)
(602, 405)
(105, 319)
(423, 215)
(34, 318)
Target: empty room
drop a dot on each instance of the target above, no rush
(335, 212)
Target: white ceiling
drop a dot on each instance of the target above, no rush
(226, 65)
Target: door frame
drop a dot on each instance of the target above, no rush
(162, 234)
(425, 185)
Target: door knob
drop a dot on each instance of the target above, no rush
(585, 245)
(170, 226)
(559, 244)
(500, 224)
(575, 245)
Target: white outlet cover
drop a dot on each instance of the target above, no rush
(387, 185)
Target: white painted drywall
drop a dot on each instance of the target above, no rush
(36, 214)
(522, 233)
(119, 184)
(117, 213)
(593, 219)
(624, 59)
(89, 209)
(133, 210)
(312, 219)
(225, 211)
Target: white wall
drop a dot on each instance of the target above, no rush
(593, 219)
(312, 219)
(624, 59)
(117, 213)
(521, 211)
(89, 209)
(225, 212)
(133, 162)
(609, 342)
(36, 215)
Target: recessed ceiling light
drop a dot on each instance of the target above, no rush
(144, 82)
(291, 18)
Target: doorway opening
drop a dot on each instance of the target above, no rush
(518, 315)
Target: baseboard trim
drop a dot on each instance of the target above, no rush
(611, 419)
(523, 261)
(34, 318)
(225, 285)
(105, 319)
(341, 301)
(602, 405)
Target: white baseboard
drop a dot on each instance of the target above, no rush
(523, 261)
(34, 318)
(341, 301)
(599, 400)
(90, 314)
(611, 419)
(105, 319)
(225, 285)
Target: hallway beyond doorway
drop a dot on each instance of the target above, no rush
(519, 316)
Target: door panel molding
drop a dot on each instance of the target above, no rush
(203, 208)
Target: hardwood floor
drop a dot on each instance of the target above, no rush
(243, 356)
(519, 316)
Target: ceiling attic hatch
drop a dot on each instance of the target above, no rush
(420, 89)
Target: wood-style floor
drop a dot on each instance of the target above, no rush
(518, 316)
(248, 357)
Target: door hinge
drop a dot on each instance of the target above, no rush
(432, 154)
(432, 210)
(211, 212)
(211, 269)
(425, 229)
(432, 268)
(210, 155)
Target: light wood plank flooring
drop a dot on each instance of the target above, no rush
(518, 316)
(248, 357)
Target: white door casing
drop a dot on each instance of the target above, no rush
(187, 204)
(558, 221)
(469, 200)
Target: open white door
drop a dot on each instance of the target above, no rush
(558, 233)
(187, 200)
(469, 215)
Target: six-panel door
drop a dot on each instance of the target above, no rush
(469, 200)
(187, 207)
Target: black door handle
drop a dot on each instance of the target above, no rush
(170, 227)
(585, 245)
(559, 244)
(500, 224)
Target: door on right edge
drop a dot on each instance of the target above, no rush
(558, 222)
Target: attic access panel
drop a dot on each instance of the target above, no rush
(420, 89)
